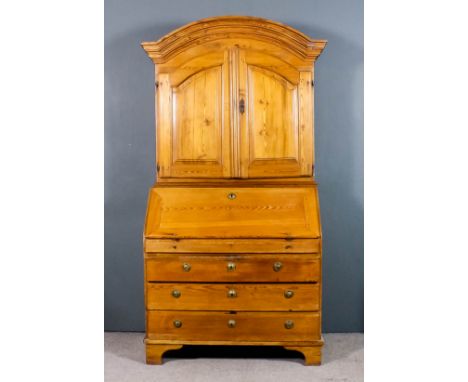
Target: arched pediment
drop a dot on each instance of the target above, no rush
(231, 28)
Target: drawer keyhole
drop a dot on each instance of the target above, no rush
(186, 267)
(288, 293)
(277, 266)
(231, 267)
(289, 324)
(232, 196)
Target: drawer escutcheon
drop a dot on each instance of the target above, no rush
(289, 324)
(186, 267)
(231, 267)
(288, 293)
(277, 266)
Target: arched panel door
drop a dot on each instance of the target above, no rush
(193, 119)
(275, 117)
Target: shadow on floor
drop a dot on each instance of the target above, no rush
(201, 351)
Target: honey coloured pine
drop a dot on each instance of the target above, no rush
(232, 238)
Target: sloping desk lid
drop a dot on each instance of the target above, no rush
(232, 213)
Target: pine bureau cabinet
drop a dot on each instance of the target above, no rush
(232, 237)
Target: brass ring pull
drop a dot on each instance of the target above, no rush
(176, 293)
(277, 266)
(232, 293)
(289, 324)
(186, 267)
(177, 323)
(288, 293)
(231, 266)
(232, 323)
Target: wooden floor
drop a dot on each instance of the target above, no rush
(343, 359)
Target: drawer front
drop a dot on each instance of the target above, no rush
(232, 245)
(218, 212)
(245, 268)
(238, 297)
(225, 326)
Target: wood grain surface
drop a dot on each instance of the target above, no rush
(238, 297)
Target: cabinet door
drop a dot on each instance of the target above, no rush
(193, 119)
(275, 106)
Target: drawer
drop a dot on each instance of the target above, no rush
(233, 268)
(238, 297)
(232, 245)
(226, 326)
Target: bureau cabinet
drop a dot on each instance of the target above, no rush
(232, 238)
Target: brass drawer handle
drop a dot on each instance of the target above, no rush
(186, 267)
(231, 266)
(177, 323)
(277, 266)
(289, 324)
(176, 293)
(232, 293)
(231, 196)
(232, 323)
(288, 293)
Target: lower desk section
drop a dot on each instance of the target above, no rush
(229, 326)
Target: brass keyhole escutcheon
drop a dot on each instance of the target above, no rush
(232, 293)
(232, 323)
(277, 266)
(177, 323)
(186, 267)
(176, 293)
(232, 196)
(231, 267)
(289, 324)
(288, 293)
(242, 106)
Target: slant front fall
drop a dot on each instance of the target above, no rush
(232, 234)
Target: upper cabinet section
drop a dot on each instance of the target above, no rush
(234, 99)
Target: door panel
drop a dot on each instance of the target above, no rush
(275, 124)
(272, 115)
(193, 119)
(197, 117)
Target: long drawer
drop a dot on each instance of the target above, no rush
(233, 245)
(226, 326)
(233, 268)
(238, 297)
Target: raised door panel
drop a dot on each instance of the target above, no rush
(275, 125)
(197, 118)
(193, 139)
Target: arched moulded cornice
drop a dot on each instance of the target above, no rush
(234, 27)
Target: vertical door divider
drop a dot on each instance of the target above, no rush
(234, 92)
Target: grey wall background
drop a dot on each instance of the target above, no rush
(130, 142)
